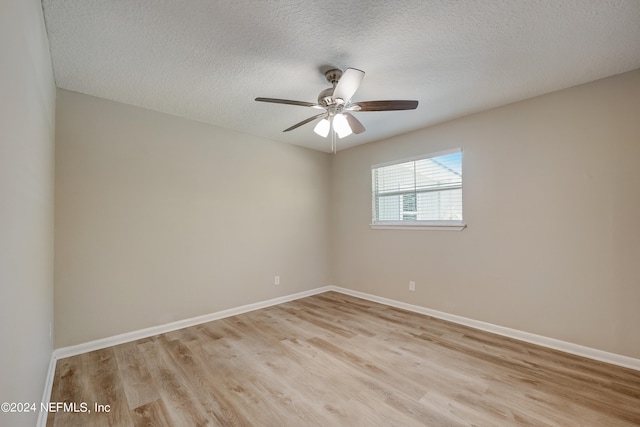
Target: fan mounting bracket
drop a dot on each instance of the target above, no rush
(333, 76)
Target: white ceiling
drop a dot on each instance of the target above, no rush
(207, 60)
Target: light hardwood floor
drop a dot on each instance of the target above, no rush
(335, 360)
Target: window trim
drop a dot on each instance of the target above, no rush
(420, 157)
(419, 225)
(444, 225)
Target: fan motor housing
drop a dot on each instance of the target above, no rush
(326, 97)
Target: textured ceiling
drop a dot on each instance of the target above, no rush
(207, 60)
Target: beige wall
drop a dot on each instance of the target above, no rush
(27, 108)
(160, 219)
(155, 219)
(552, 201)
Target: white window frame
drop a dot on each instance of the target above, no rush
(414, 225)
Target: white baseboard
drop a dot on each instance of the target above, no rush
(46, 396)
(567, 347)
(74, 350)
(63, 352)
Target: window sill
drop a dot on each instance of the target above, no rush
(404, 225)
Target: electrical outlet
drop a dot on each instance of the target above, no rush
(276, 280)
(412, 286)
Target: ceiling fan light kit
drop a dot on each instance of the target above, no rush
(322, 128)
(336, 101)
(341, 126)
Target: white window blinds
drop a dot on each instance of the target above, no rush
(423, 191)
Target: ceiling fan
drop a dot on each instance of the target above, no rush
(337, 105)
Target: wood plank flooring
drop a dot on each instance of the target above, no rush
(335, 360)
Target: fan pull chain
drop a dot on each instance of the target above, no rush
(333, 139)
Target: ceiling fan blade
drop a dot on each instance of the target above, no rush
(354, 124)
(290, 102)
(304, 122)
(383, 105)
(348, 84)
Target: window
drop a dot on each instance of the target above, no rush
(425, 192)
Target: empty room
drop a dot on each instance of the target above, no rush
(304, 213)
